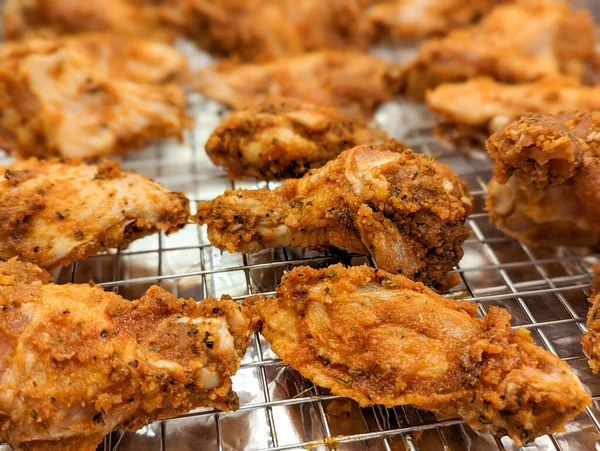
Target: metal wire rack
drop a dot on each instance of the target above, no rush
(545, 290)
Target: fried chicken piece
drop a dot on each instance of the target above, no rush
(383, 339)
(352, 82)
(151, 19)
(591, 346)
(405, 210)
(53, 213)
(519, 42)
(262, 31)
(281, 138)
(469, 112)
(89, 96)
(545, 189)
(409, 19)
(78, 362)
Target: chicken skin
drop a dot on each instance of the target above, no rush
(545, 188)
(89, 96)
(53, 213)
(469, 112)
(590, 343)
(354, 83)
(410, 19)
(152, 19)
(281, 138)
(382, 339)
(78, 362)
(259, 31)
(515, 43)
(405, 210)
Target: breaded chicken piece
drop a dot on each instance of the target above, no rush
(355, 83)
(53, 213)
(405, 210)
(590, 343)
(519, 42)
(89, 96)
(259, 31)
(410, 19)
(78, 362)
(383, 339)
(469, 112)
(545, 190)
(281, 138)
(151, 19)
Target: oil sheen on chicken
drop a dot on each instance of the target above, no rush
(382, 339)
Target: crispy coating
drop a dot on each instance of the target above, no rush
(54, 213)
(77, 362)
(355, 83)
(89, 96)
(383, 339)
(469, 112)
(515, 43)
(405, 210)
(409, 19)
(590, 343)
(152, 19)
(259, 31)
(545, 190)
(281, 138)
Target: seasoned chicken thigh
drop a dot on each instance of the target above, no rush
(54, 213)
(515, 43)
(355, 83)
(406, 210)
(77, 362)
(383, 339)
(470, 112)
(282, 138)
(545, 188)
(89, 96)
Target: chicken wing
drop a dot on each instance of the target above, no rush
(152, 19)
(404, 209)
(77, 362)
(54, 213)
(545, 188)
(259, 31)
(469, 112)
(409, 19)
(89, 96)
(383, 339)
(519, 42)
(282, 138)
(353, 82)
(590, 343)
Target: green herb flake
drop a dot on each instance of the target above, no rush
(344, 381)
(332, 273)
(153, 347)
(510, 171)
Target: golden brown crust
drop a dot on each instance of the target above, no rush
(282, 138)
(14, 272)
(545, 188)
(469, 112)
(78, 362)
(54, 213)
(404, 209)
(383, 339)
(409, 19)
(89, 96)
(258, 31)
(589, 341)
(154, 19)
(515, 43)
(355, 83)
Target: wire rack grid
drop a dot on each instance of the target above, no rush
(545, 290)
